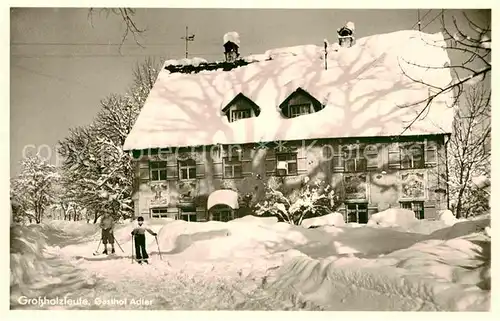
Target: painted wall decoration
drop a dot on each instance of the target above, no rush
(356, 186)
(413, 185)
(187, 190)
(161, 195)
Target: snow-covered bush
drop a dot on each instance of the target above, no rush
(310, 200)
(32, 191)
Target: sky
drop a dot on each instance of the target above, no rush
(62, 63)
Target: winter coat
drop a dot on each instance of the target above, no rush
(141, 230)
(107, 222)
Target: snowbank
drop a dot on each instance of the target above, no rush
(331, 267)
(447, 217)
(393, 217)
(335, 219)
(34, 273)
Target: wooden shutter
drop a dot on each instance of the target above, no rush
(338, 159)
(200, 165)
(430, 154)
(143, 172)
(372, 157)
(172, 168)
(394, 156)
(246, 167)
(218, 169)
(270, 162)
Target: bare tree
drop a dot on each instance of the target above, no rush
(472, 44)
(127, 16)
(470, 150)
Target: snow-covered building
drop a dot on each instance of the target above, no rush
(209, 134)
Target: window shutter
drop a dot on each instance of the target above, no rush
(200, 164)
(394, 159)
(338, 161)
(172, 173)
(371, 155)
(143, 172)
(246, 167)
(270, 162)
(302, 165)
(218, 167)
(431, 156)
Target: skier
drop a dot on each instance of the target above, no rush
(107, 224)
(139, 236)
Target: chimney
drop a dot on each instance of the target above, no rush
(346, 35)
(231, 46)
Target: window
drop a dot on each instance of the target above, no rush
(159, 212)
(406, 156)
(187, 169)
(286, 164)
(357, 213)
(222, 215)
(298, 110)
(416, 207)
(158, 171)
(412, 156)
(232, 167)
(188, 215)
(240, 114)
(355, 161)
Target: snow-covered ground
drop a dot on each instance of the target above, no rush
(258, 264)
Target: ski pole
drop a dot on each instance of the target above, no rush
(132, 253)
(159, 252)
(118, 243)
(98, 246)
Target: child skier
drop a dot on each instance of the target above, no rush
(139, 236)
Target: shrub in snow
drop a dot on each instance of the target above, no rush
(335, 219)
(310, 200)
(393, 217)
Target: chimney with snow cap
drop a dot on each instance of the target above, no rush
(346, 35)
(231, 46)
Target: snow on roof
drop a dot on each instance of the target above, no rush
(196, 61)
(232, 36)
(364, 92)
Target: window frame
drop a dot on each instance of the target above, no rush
(225, 164)
(182, 166)
(402, 151)
(157, 170)
(189, 215)
(232, 112)
(357, 211)
(300, 109)
(159, 215)
(294, 160)
(217, 214)
(420, 215)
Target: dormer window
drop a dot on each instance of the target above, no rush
(299, 103)
(241, 107)
(299, 109)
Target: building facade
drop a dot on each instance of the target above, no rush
(369, 175)
(212, 136)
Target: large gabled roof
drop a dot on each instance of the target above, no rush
(364, 92)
